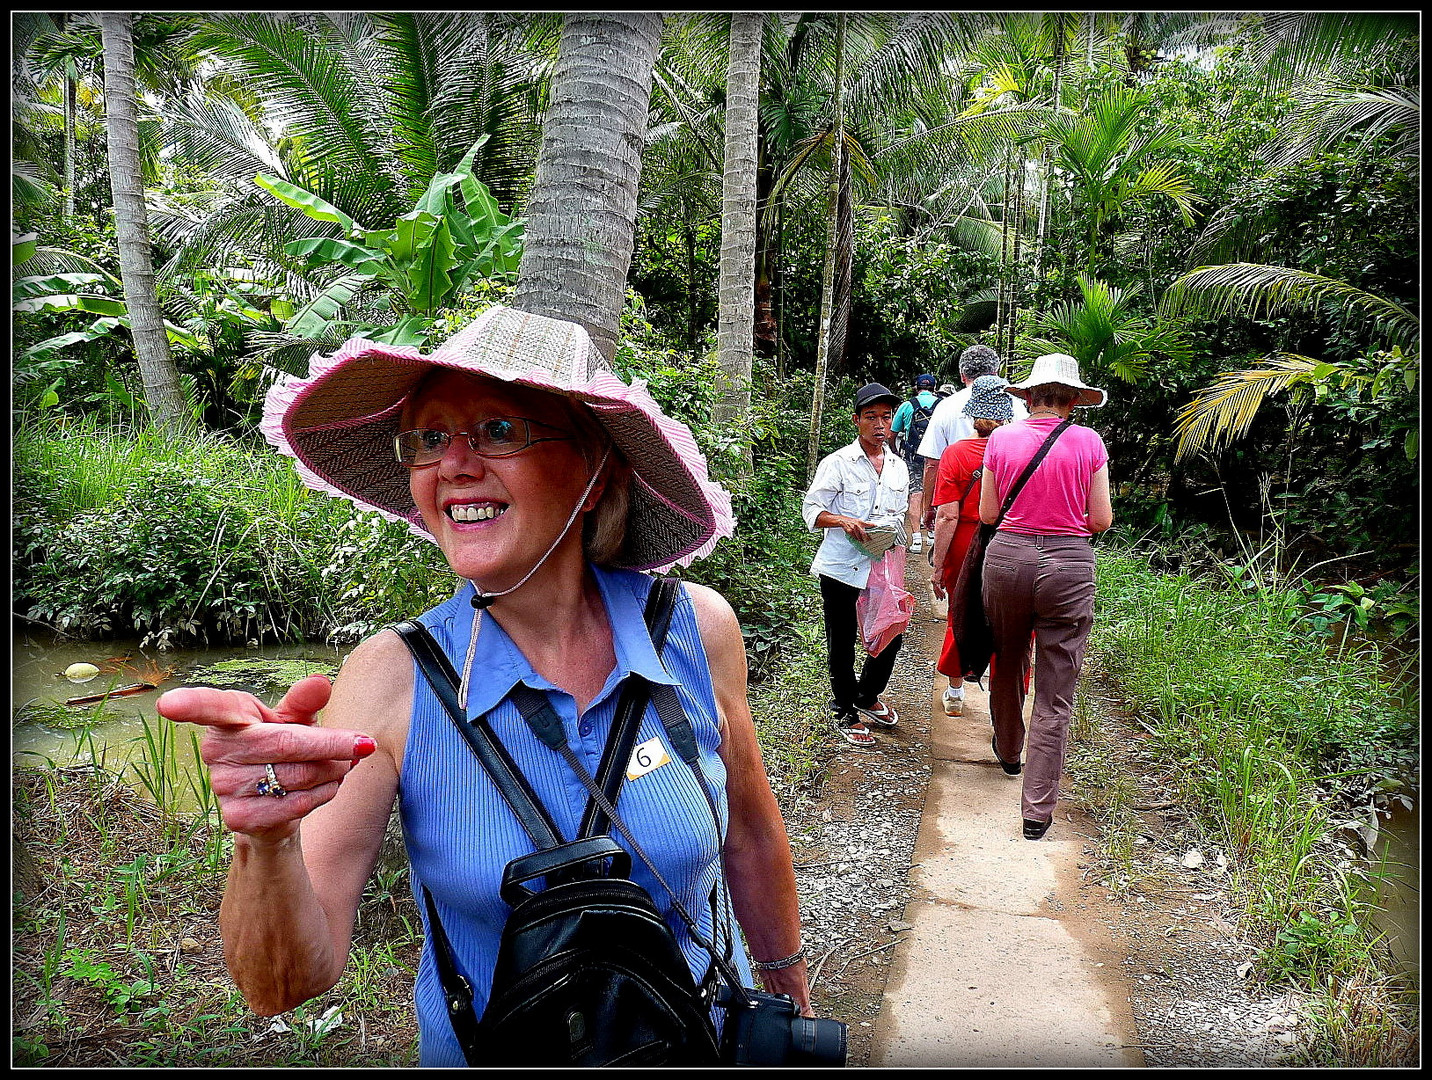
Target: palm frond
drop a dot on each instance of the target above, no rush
(1224, 411)
(1330, 114)
(1254, 291)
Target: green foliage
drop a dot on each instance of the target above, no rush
(120, 533)
(1273, 731)
(422, 265)
(910, 311)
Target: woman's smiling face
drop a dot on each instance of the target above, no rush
(494, 518)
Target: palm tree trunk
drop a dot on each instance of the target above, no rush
(163, 392)
(1057, 62)
(1016, 276)
(737, 290)
(582, 214)
(1001, 308)
(822, 359)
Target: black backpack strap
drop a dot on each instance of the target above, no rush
(495, 759)
(660, 603)
(457, 991)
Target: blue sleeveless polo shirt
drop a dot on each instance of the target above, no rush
(460, 834)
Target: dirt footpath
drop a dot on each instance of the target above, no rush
(943, 938)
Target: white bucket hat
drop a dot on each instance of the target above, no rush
(1062, 369)
(339, 425)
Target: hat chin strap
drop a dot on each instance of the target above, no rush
(482, 600)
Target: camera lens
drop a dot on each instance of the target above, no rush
(817, 1041)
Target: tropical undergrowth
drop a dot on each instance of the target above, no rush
(1289, 744)
(122, 532)
(118, 873)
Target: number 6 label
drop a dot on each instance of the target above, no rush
(645, 757)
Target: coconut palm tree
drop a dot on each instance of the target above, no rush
(582, 214)
(162, 391)
(738, 228)
(1224, 411)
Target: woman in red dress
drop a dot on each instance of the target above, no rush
(957, 518)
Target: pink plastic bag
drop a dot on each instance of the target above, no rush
(883, 607)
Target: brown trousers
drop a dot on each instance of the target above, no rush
(1044, 584)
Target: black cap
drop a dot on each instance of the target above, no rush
(873, 392)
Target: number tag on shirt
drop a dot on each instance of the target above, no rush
(645, 757)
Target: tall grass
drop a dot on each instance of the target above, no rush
(1268, 729)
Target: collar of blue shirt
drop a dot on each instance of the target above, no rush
(503, 666)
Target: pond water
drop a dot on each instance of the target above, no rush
(46, 728)
(1399, 841)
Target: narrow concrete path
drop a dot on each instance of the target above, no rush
(991, 974)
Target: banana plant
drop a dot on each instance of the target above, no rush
(85, 293)
(422, 265)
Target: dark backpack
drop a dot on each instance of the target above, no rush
(919, 421)
(588, 972)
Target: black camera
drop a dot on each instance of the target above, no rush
(768, 1029)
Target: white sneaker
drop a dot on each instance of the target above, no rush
(930, 535)
(915, 542)
(954, 702)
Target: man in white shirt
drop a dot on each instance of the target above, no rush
(949, 424)
(861, 487)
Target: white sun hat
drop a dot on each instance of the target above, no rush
(1062, 369)
(340, 421)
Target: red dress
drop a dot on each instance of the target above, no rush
(957, 465)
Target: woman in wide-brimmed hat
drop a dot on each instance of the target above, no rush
(549, 485)
(1039, 573)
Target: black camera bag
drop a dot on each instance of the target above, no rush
(588, 971)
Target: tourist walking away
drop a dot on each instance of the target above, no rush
(907, 431)
(550, 487)
(1039, 572)
(956, 500)
(949, 424)
(859, 496)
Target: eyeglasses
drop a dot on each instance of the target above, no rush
(495, 437)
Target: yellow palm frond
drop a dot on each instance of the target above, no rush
(1222, 412)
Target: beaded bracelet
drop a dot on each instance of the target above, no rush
(776, 965)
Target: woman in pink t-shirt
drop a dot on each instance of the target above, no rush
(1039, 574)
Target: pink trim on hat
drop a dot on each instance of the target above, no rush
(601, 391)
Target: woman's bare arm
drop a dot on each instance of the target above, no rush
(757, 853)
(301, 860)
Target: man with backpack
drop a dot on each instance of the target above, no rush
(907, 431)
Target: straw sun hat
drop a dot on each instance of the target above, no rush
(1062, 369)
(339, 424)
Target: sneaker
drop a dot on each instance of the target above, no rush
(954, 703)
(930, 536)
(915, 543)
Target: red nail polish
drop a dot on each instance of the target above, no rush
(362, 747)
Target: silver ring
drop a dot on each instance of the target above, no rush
(269, 785)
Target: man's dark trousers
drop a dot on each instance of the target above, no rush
(841, 633)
